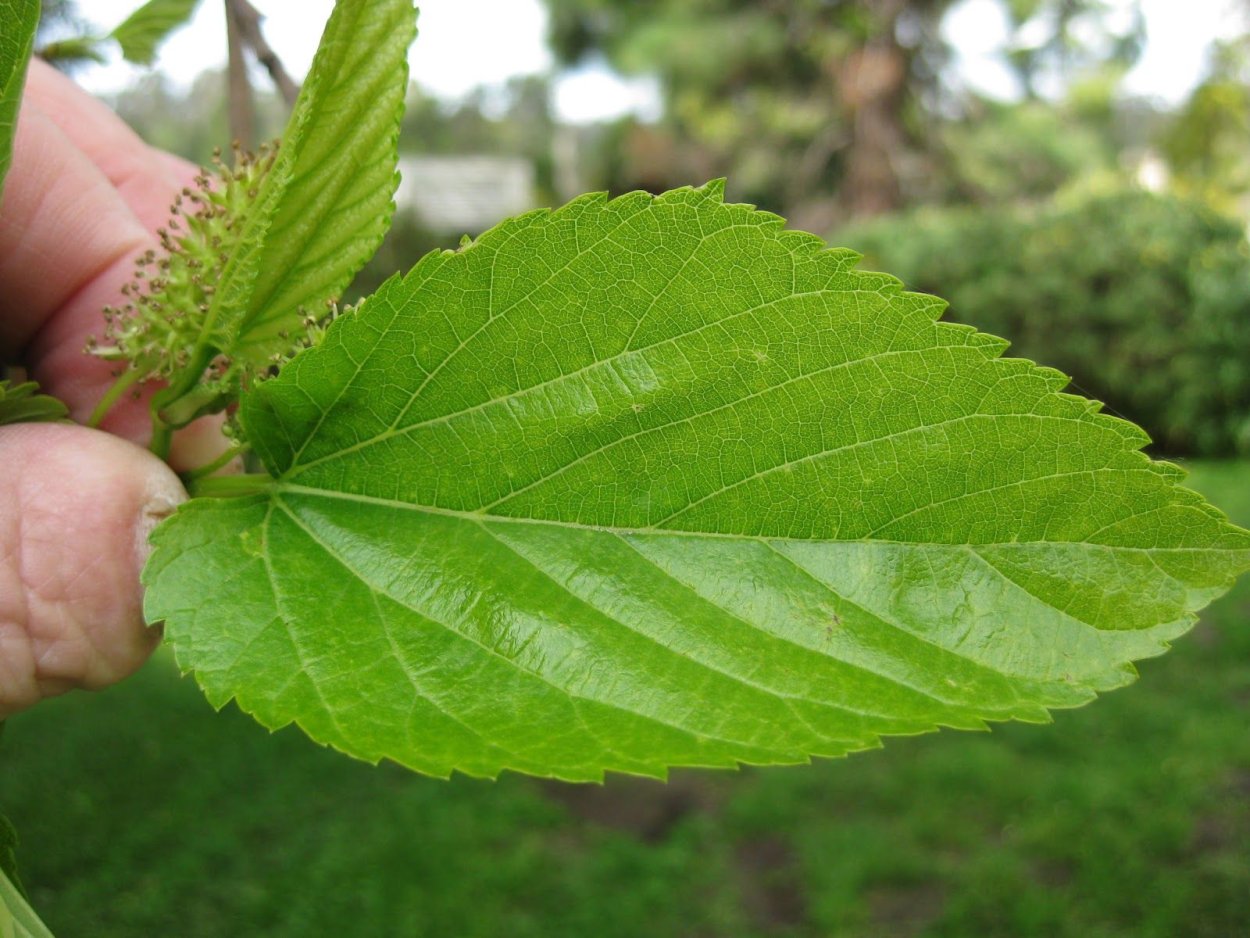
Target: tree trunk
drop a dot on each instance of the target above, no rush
(242, 109)
(871, 83)
(247, 22)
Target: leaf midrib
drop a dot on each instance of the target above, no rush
(280, 487)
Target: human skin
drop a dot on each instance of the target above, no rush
(84, 196)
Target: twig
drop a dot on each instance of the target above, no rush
(247, 20)
(242, 108)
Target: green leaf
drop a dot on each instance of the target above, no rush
(73, 50)
(20, 17)
(143, 31)
(326, 204)
(319, 210)
(8, 854)
(21, 403)
(654, 482)
(8, 847)
(17, 918)
(296, 237)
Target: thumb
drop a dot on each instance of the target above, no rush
(76, 506)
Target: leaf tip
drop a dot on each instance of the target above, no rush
(713, 189)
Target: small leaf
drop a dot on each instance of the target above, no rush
(143, 31)
(654, 482)
(316, 213)
(21, 403)
(73, 50)
(326, 205)
(20, 17)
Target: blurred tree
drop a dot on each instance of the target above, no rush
(67, 41)
(816, 108)
(1051, 39)
(1207, 144)
(191, 122)
(998, 152)
(1026, 151)
(786, 98)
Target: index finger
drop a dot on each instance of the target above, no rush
(145, 177)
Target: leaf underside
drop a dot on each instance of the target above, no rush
(655, 482)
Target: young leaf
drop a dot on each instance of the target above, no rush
(21, 403)
(20, 17)
(328, 201)
(654, 482)
(316, 213)
(143, 31)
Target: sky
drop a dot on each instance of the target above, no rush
(1178, 37)
(466, 43)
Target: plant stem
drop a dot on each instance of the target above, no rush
(209, 468)
(124, 383)
(161, 437)
(230, 486)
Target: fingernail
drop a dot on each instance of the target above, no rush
(165, 494)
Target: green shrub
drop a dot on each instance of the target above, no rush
(1143, 299)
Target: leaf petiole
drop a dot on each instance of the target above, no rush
(209, 468)
(229, 486)
(162, 436)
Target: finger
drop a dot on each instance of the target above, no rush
(145, 177)
(76, 506)
(64, 229)
(67, 244)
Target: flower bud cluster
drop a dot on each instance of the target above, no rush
(166, 318)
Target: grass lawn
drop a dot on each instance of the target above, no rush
(143, 813)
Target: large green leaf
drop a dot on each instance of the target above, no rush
(20, 17)
(655, 482)
(143, 31)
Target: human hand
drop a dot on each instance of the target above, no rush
(83, 197)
